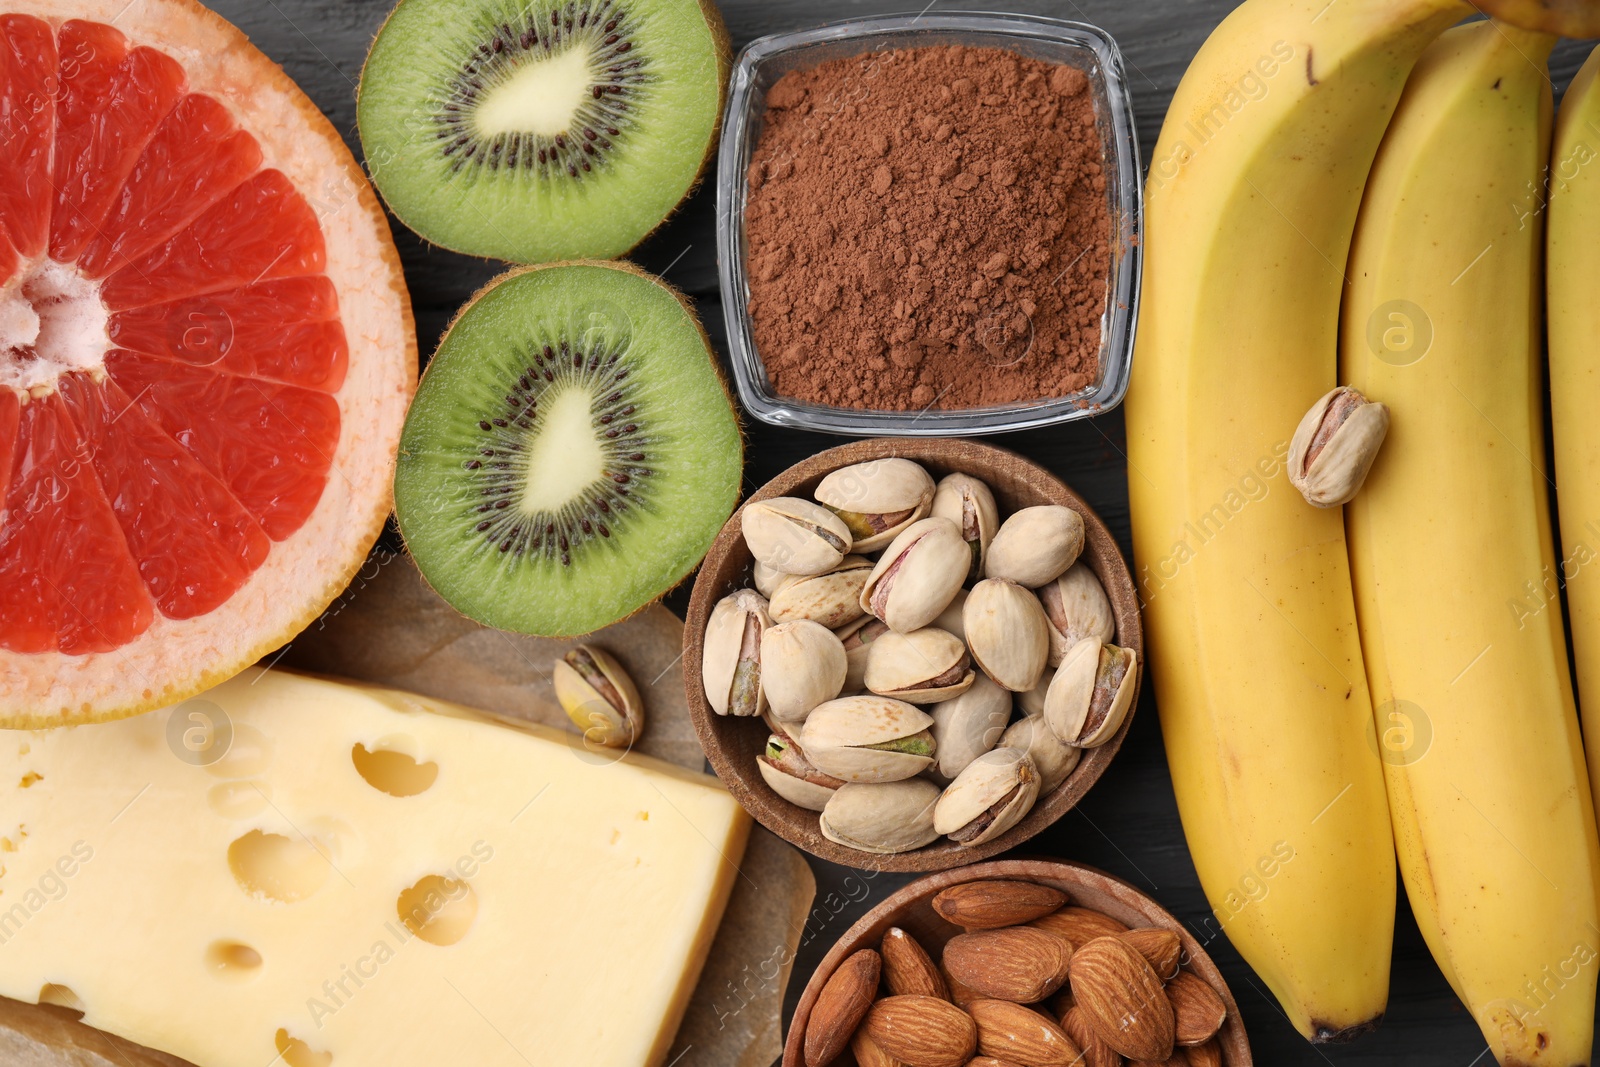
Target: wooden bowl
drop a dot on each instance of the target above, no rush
(911, 909)
(732, 744)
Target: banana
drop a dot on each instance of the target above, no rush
(1251, 203)
(1492, 818)
(1573, 248)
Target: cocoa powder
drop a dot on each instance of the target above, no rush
(928, 227)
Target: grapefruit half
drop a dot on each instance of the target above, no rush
(206, 352)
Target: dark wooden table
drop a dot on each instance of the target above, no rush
(1129, 824)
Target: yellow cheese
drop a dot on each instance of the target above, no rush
(357, 881)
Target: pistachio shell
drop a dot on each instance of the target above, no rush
(1334, 446)
(892, 817)
(1036, 545)
(868, 739)
(1007, 632)
(1053, 756)
(877, 499)
(969, 725)
(802, 665)
(1076, 607)
(988, 798)
(968, 503)
(1091, 693)
(858, 637)
(832, 599)
(794, 536)
(731, 663)
(924, 666)
(767, 580)
(917, 576)
(598, 696)
(786, 770)
(949, 619)
(1032, 702)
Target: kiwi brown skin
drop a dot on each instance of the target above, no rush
(722, 44)
(722, 380)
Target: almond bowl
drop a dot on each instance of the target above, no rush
(732, 744)
(911, 909)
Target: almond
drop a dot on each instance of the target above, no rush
(1198, 1010)
(990, 1061)
(1011, 1032)
(840, 1007)
(1096, 1053)
(993, 904)
(1206, 1055)
(1016, 963)
(922, 1031)
(1078, 925)
(1062, 1002)
(1162, 948)
(1122, 998)
(908, 969)
(959, 994)
(868, 1054)
(1174, 1060)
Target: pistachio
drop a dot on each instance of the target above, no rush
(731, 663)
(1053, 756)
(767, 580)
(1076, 607)
(1334, 446)
(1007, 632)
(868, 739)
(923, 667)
(1091, 693)
(968, 503)
(794, 536)
(969, 725)
(856, 637)
(802, 665)
(949, 619)
(785, 768)
(877, 499)
(832, 599)
(1032, 702)
(599, 697)
(891, 817)
(1036, 545)
(917, 576)
(988, 798)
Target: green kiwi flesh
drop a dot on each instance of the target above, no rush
(571, 452)
(541, 130)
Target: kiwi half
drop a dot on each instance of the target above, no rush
(571, 452)
(539, 130)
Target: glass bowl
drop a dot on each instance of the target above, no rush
(1086, 47)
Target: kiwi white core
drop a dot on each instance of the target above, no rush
(566, 456)
(51, 323)
(542, 96)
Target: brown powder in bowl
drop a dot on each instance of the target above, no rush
(928, 227)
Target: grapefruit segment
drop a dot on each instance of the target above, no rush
(262, 230)
(67, 581)
(192, 541)
(10, 415)
(27, 130)
(195, 157)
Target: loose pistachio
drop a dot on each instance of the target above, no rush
(877, 499)
(988, 798)
(917, 576)
(969, 725)
(1334, 446)
(923, 667)
(832, 599)
(1054, 758)
(1032, 702)
(857, 638)
(786, 770)
(968, 503)
(886, 818)
(731, 663)
(1036, 545)
(1091, 693)
(1007, 632)
(768, 580)
(1076, 607)
(599, 697)
(868, 739)
(794, 536)
(802, 665)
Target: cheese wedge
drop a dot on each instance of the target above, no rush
(297, 871)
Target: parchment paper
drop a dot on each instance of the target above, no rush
(390, 628)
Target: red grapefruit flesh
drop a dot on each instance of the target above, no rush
(206, 352)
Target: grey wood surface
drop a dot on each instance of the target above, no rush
(1129, 824)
